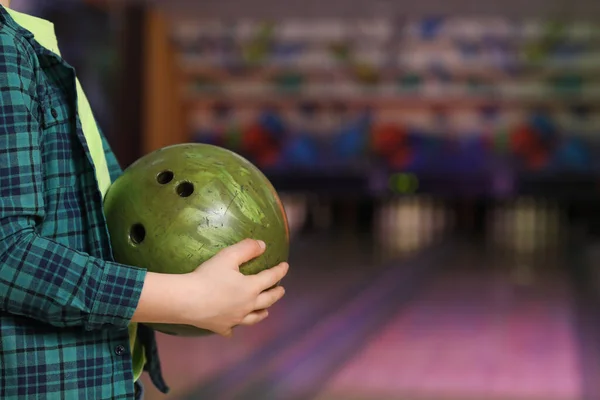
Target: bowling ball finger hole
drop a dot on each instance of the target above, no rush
(185, 189)
(164, 177)
(137, 233)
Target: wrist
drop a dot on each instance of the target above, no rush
(164, 299)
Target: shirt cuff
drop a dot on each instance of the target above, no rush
(116, 299)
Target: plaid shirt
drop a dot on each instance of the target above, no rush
(65, 305)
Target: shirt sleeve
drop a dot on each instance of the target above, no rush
(40, 278)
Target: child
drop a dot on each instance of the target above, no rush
(71, 319)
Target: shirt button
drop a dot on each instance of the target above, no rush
(120, 350)
(54, 113)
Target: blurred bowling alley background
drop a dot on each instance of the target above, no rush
(439, 164)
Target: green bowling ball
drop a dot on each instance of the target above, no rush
(175, 208)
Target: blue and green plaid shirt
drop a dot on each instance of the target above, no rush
(65, 305)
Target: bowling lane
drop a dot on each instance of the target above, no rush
(328, 271)
(426, 319)
(473, 333)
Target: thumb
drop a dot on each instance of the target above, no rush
(243, 251)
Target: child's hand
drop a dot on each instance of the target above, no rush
(216, 296)
(221, 297)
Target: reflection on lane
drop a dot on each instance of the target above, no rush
(474, 333)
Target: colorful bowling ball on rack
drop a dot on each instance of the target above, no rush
(544, 127)
(273, 124)
(431, 27)
(232, 138)
(573, 155)
(523, 140)
(351, 142)
(302, 151)
(260, 146)
(255, 138)
(386, 139)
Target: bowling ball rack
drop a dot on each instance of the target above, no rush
(377, 184)
(447, 112)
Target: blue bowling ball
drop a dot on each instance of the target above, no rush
(302, 151)
(425, 150)
(350, 143)
(572, 155)
(272, 122)
(544, 126)
(353, 139)
(431, 27)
